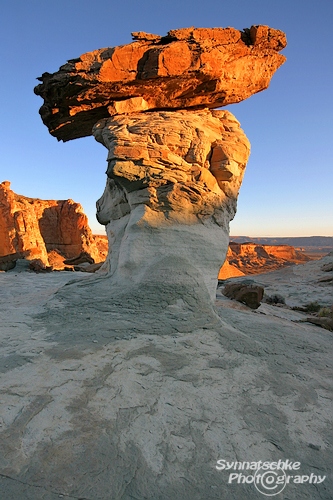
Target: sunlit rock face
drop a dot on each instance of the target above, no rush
(172, 185)
(35, 227)
(187, 68)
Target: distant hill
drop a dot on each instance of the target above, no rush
(314, 246)
(297, 241)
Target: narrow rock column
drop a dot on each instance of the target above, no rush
(172, 184)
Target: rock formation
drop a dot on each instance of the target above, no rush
(246, 291)
(8, 262)
(175, 164)
(173, 180)
(251, 258)
(187, 68)
(127, 386)
(37, 227)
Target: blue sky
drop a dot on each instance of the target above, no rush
(288, 185)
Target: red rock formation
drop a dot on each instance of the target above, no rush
(19, 227)
(251, 258)
(191, 67)
(38, 227)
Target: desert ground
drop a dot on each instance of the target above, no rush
(107, 398)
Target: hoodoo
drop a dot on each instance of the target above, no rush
(175, 163)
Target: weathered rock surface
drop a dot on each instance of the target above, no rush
(88, 268)
(110, 400)
(37, 227)
(325, 322)
(327, 268)
(191, 67)
(135, 385)
(173, 181)
(251, 258)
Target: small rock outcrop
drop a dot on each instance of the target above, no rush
(8, 262)
(37, 227)
(247, 292)
(327, 268)
(38, 266)
(187, 68)
(7, 265)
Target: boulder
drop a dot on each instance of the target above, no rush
(246, 292)
(187, 68)
(7, 266)
(38, 266)
(327, 267)
(84, 257)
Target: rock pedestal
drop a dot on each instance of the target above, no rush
(173, 180)
(175, 164)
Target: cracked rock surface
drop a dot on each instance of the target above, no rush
(100, 400)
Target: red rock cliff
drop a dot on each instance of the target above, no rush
(36, 227)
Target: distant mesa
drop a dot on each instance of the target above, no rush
(315, 246)
(187, 68)
(252, 258)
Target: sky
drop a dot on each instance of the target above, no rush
(288, 186)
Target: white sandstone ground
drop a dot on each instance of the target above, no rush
(104, 398)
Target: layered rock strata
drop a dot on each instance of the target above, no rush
(191, 67)
(173, 181)
(38, 227)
